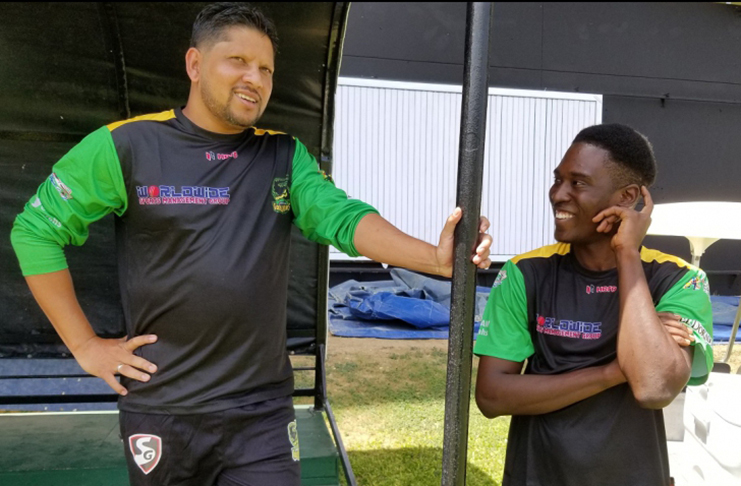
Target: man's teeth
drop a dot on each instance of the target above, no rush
(563, 215)
(245, 97)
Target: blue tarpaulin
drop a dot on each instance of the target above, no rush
(411, 306)
(724, 311)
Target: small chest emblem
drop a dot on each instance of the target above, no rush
(601, 289)
(211, 155)
(281, 195)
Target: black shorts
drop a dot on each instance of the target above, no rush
(255, 445)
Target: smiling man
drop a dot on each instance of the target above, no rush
(611, 331)
(204, 204)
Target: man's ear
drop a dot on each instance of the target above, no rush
(193, 60)
(629, 195)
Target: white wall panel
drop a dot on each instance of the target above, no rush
(396, 147)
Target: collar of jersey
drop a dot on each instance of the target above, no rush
(195, 129)
(578, 268)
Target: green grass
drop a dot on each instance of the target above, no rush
(390, 410)
(400, 443)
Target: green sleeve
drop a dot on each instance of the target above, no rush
(85, 185)
(690, 299)
(323, 212)
(504, 332)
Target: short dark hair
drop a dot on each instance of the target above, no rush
(630, 152)
(214, 18)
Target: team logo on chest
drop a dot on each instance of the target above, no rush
(146, 450)
(566, 328)
(199, 195)
(281, 195)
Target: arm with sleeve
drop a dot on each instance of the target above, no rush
(504, 342)
(85, 185)
(504, 330)
(322, 211)
(689, 298)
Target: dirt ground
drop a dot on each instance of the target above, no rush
(341, 346)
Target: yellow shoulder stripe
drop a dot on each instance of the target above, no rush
(545, 252)
(648, 255)
(164, 116)
(260, 132)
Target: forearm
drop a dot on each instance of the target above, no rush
(100, 357)
(514, 394)
(55, 294)
(655, 366)
(381, 241)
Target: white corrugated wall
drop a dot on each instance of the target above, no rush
(396, 147)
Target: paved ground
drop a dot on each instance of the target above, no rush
(689, 461)
(677, 460)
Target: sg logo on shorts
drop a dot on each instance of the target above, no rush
(146, 450)
(293, 437)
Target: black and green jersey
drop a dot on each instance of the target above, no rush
(203, 226)
(547, 309)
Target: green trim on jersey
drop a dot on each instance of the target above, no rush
(504, 330)
(322, 211)
(85, 185)
(690, 299)
(506, 316)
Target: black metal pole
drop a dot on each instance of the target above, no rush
(463, 299)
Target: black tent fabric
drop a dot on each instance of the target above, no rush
(68, 68)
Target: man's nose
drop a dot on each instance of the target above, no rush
(559, 193)
(252, 76)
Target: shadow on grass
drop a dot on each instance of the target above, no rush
(411, 376)
(420, 466)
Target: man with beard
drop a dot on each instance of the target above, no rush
(598, 318)
(204, 204)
